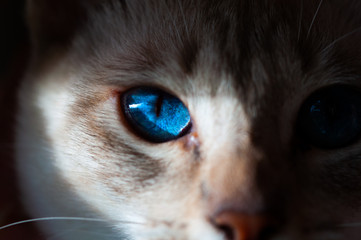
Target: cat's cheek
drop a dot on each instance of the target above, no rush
(195, 229)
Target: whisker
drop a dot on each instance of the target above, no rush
(52, 219)
(300, 22)
(173, 20)
(184, 18)
(340, 38)
(85, 219)
(314, 18)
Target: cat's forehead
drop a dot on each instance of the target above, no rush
(257, 51)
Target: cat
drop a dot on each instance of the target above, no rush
(192, 119)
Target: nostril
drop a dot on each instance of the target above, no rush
(236, 226)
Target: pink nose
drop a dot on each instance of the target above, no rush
(237, 226)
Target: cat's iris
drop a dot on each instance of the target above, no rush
(331, 117)
(155, 115)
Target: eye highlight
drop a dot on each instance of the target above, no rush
(155, 115)
(331, 117)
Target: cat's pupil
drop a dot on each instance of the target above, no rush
(331, 117)
(159, 105)
(155, 115)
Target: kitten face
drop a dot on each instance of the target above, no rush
(243, 170)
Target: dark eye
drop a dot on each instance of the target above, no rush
(155, 115)
(331, 117)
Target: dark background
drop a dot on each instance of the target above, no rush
(13, 32)
(14, 55)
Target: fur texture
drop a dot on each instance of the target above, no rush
(243, 69)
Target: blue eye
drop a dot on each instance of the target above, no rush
(155, 115)
(331, 117)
